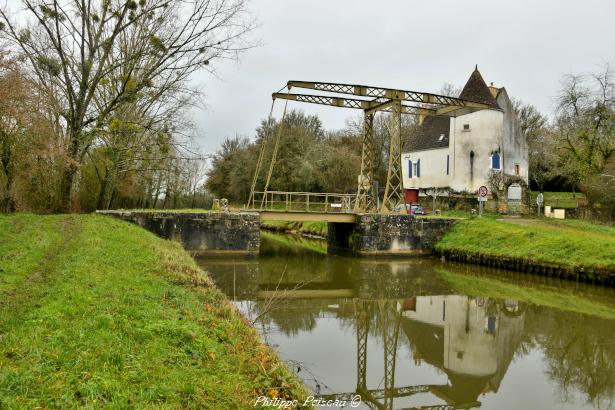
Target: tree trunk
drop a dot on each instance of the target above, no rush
(101, 194)
(68, 176)
(110, 182)
(157, 194)
(7, 203)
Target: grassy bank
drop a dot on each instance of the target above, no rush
(317, 228)
(294, 241)
(569, 244)
(561, 199)
(473, 283)
(97, 312)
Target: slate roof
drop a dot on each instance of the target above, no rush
(434, 127)
(476, 90)
(429, 133)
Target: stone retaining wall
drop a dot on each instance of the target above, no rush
(387, 235)
(201, 233)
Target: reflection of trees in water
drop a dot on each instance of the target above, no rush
(579, 352)
(291, 316)
(391, 279)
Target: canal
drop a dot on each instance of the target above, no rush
(415, 333)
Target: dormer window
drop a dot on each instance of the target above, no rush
(441, 137)
(466, 127)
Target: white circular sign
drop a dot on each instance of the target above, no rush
(540, 199)
(483, 191)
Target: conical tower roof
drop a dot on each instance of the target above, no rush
(476, 90)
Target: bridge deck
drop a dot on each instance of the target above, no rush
(298, 216)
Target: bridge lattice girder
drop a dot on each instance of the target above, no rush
(374, 99)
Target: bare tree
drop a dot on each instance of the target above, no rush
(585, 124)
(75, 46)
(542, 153)
(450, 90)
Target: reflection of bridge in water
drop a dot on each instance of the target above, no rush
(471, 340)
(390, 319)
(473, 346)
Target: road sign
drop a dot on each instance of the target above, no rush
(483, 191)
(540, 199)
(482, 199)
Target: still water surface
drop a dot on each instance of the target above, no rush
(416, 333)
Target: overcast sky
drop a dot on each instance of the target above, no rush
(523, 45)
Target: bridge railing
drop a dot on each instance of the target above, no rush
(303, 202)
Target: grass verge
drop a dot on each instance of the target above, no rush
(317, 228)
(538, 294)
(573, 244)
(95, 312)
(561, 199)
(296, 241)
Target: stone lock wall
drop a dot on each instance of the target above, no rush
(387, 235)
(201, 233)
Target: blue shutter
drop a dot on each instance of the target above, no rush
(495, 160)
(418, 168)
(410, 169)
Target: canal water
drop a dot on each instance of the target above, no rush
(422, 332)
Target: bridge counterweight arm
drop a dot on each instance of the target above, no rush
(378, 104)
(391, 93)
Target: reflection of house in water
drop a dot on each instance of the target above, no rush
(472, 339)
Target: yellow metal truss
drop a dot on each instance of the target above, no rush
(372, 100)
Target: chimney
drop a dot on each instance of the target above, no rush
(494, 90)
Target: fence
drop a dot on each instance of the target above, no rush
(303, 202)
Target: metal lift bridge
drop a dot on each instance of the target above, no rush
(370, 100)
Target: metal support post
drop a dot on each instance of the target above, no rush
(362, 316)
(366, 199)
(393, 192)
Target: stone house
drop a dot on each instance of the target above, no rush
(458, 154)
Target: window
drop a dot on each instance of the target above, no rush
(441, 137)
(466, 127)
(417, 168)
(491, 324)
(517, 171)
(447, 164)
(410, 169)
(495, 160)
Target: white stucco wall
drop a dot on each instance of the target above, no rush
(483, 138)
(490, 130)
(433, 169)
(515, 147)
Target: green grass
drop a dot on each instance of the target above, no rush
(292, 242)
(186, 210)
(95, 312)
(562, 242)
(318, 228)
(537, 294)
(561, 199)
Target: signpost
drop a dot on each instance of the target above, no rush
(539, 201)
(482, 197)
